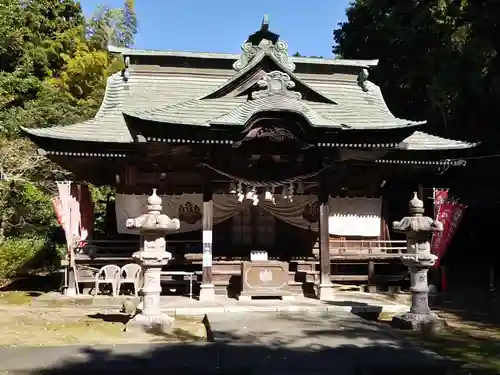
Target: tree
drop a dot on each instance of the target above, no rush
(35, 33)
(296, 54)
(438, 60)
(51, 73)
(113, 26)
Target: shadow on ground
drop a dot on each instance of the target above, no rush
(111, 318)
(470, 305)
(225, 358)
(351, 346)
(37, 284)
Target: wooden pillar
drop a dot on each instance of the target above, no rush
(491, 278)
(207, 290)
(325, 289)
(71, 289)
(372, 286)
(421, 193)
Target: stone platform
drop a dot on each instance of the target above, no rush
(354, 302)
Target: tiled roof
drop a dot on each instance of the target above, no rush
(420, 141)
(142, 91)
(170, 95)
(108, 124)
(153, 91)
(231, 111)
(236, 111)
(242, 113)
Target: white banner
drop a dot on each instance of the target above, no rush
(348, 216)
(355, 216)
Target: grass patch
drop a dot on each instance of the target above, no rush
(473, 346)
(30, 331)
(17, 298)
(33, 327)
(476, 350)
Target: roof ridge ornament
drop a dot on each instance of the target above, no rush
(276, 83)
(264, 42)
(363, 81)
(265, 23)
(126, 69)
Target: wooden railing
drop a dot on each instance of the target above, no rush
(123, 249)
(363, 248)
(119, 248)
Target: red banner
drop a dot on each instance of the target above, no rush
(57, 205)
(450, 214)
(440, 196)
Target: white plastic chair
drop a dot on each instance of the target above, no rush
(130, 274)
(110, 275)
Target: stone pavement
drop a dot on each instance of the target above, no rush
(355, 302)
(317, 342)
(246, 343)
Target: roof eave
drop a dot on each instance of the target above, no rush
(385, 126)
(461, 146)
(161, 120)
(233, 56)
(421, 141)
(34, 133)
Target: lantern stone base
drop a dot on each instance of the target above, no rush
(70, 292)
(428, 323)
(326, 292)
(155, 324)
(207, 292)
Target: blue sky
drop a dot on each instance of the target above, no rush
(223, 25)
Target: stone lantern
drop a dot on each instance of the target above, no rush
(418, 258)
(152, 257)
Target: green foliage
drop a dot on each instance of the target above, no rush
(27, 209)
(100, 197)
(53, 70)
(439, 60)
(296, 54)
(17, 254)
(50, 106)
(115, 27)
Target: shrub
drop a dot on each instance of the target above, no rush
(19, 255)
(26, 210)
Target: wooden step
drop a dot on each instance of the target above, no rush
(349, 277)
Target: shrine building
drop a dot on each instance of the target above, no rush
(262, 155)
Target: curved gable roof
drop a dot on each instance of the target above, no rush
(231, 111)
(170, 92)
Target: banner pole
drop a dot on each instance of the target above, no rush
(492, 278)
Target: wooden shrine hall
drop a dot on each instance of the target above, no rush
(283, 171)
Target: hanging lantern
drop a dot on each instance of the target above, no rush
(255, 200)
(290, 193)
(251, 193)
(239, 191)
(268, 196)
